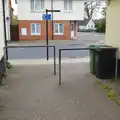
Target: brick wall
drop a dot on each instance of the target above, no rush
(26, 24)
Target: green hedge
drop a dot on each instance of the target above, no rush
(101, 26)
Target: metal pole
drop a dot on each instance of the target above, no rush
(54, 60)
(47, 36)
(4, 21)
(59, 67)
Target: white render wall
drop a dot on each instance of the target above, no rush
(25, 13)
(7, 14)
(90, 25)
(1, 31)
(112, 36)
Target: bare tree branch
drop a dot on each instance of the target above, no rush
(91, 6)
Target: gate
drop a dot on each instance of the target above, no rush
(14, 32)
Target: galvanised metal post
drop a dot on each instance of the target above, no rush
(52, 18)
(60, 55)
(60, 67)
(54, 60)
(42, 46)
(47, 36)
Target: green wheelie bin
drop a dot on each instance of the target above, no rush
(105, 62)
(92, 58)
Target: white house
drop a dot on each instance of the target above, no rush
(63, 27)
(87, 24)
(90, 25)
(8, 18)
(2, 39)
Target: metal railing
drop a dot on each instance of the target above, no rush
(69, 49)
(60, 56)
(35, 46)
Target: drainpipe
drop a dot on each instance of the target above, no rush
(4, 22)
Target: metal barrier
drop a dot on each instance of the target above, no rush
(60, 51)
(69, 49)
(42, 46)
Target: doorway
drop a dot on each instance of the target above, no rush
(72, 30)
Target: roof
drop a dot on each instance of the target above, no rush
(83, 22)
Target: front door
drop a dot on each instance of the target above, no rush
(72, 30)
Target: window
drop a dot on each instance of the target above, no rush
(37, 5)
(15, 1)
(58, 29)
(35, 29)
(68, 5)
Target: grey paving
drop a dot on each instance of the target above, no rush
(32, 93)
(90, 36)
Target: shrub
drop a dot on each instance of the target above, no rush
(101, 26)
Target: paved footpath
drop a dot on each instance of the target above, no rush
(32, 93)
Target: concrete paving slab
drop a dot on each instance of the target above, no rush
(32, 93)
(50, 61)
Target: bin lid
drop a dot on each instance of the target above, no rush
(96, 47)
(102, 48)
(106, 48)
(92, 47)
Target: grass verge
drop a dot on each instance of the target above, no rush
(112, 95)
(8, 65)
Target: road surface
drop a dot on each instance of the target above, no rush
(84, 40)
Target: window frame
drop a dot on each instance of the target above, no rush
(35, 29)
(68, 5)
(58, 24)
(34, 8)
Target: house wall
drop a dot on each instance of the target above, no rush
(90, 25)
(11, 12)
(7, 14)
(26, 16)
(25, 13)
(1, 31)
(113, 24)
(42, 36)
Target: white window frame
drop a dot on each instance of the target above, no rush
(58, 29)
(35, 29)
(68, 5)
(34, 8)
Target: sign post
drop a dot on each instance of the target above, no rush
(47, 35)
(48, 17)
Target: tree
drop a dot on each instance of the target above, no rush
(101, 25)
(15, 20)
(103, 12)
(92, 6)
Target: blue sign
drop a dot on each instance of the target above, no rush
(46, 16)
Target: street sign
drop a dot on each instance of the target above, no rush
(46, 17)
(53, 10)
